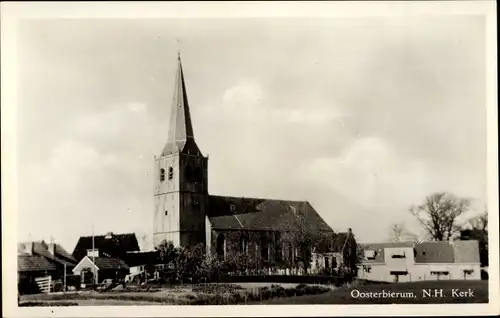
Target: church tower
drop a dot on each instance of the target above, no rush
(181, 195)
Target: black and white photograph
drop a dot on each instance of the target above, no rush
(207, 159)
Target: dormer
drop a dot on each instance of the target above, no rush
(93, 252)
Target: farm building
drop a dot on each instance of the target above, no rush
(408, 261)
(110, 256)
(109, 245)
(36, 261)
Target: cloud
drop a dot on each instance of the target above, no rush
(137, 107)
(372, 174)
(246, 100)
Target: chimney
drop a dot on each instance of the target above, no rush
(29, 247)
(52, 248)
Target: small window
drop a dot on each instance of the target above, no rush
(398, 256)
(93, 253)
(232, 207)
(170, 173)
(440, 273)
(370, 254)
(162, 174)
(166, 212)
(196, 202)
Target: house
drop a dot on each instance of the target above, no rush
(96, 269)
(103, 257)
(187, 215)
(142, 265)
(409, 261)
(109, 245)
(36, 260)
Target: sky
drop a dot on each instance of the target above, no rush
(362, 117)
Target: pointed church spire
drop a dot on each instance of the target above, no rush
(180, 131)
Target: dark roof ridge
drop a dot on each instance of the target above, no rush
(103, 235)
(261, 198)
(388, 243)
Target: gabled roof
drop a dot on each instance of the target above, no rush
(466, 251)
(34, 263)
(112, 244)
(41, 248)
(235, 213)
(110, 263)
(434, 252)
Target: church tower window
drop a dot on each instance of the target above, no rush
(162, 174)
(188, 173)
(170, 173)
(198, 175)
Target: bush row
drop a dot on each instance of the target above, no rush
(207, 295)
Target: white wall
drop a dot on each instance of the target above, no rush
(456, 271)
(416, 271)
(136, 269)
(420, 272)
(84, 263)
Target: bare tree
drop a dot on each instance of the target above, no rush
(480, 222)
(396, 232)
(438, 214)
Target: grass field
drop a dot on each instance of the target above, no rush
(413, 294)
(343, 295)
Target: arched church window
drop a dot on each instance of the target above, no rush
(264, 249)
(170, 173)
(188, 173)
(198, 175)
(278, 252)
(221, 246)
(244, 245)
(162, 174)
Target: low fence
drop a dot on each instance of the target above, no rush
(293, 279)
(44, 283)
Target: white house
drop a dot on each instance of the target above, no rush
(408, 261)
